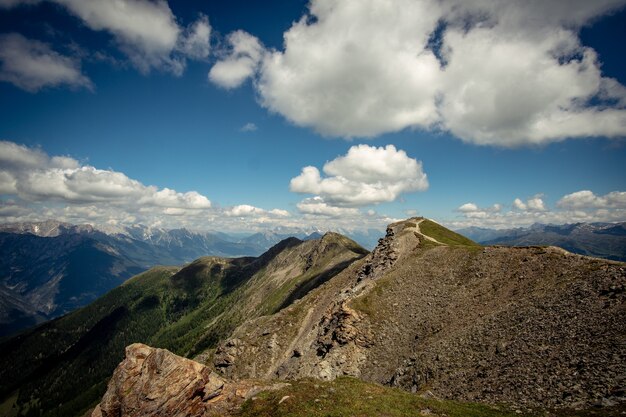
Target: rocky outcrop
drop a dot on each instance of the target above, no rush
(156, 383)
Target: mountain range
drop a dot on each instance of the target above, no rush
(322, 327)
(51, 268)
(602, 240)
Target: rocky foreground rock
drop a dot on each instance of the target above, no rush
(156, 383)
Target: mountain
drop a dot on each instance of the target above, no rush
(45, 277)
(62, 367)
(602, 240)
(535, 330)
(50, 268)
(146, 245)
(533, 327)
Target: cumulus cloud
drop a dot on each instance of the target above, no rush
(365, 175)
(146, 31)
(471, 210)
(521, 75)
(587, 199)
(359, 68)
(196, 43)
(534, 203)
(317, 206)
(33, 65)
(36, 186)
(581, 206)
(244, 53)
(248, 127)
(32, 175)
(490, 72)
(246, 210)
(468, 208)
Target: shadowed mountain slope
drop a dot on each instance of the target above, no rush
(62, 367)
(602, 240)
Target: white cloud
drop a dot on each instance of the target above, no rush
(35, 186)
(248, 127)
(359, 69)
(471, 210)
(245, 52)
(146, 31)
(581, 206)
(34, 176)
(534, 203)
(196, 43)
(33, 65)
(523, 77)
(468, 208)
(587, 199)
(317, 206)
(519, 204)
(511, 73)
(246, 210)
(279, 213)
(365, 175)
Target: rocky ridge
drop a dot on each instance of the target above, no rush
(534, 327)
(431, 312)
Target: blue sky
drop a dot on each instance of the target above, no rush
(498, 114)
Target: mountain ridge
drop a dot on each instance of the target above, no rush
(186, 310)
(602, 240)
(466, 322)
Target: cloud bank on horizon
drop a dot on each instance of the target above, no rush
(44, 187)
(578, 207)
(41, 187)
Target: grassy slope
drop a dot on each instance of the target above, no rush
(443, 235)
(69, 360)
(353, 397)
(348, 397)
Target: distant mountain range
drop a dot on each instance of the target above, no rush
(602, 240)
(50, 268)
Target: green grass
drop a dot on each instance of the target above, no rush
(346, 397)
(8, 406)
(443, 235)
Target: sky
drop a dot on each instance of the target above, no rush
(244, 116)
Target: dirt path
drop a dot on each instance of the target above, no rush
(417, 229)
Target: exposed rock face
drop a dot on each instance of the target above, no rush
(156, 383)
(536, 327)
